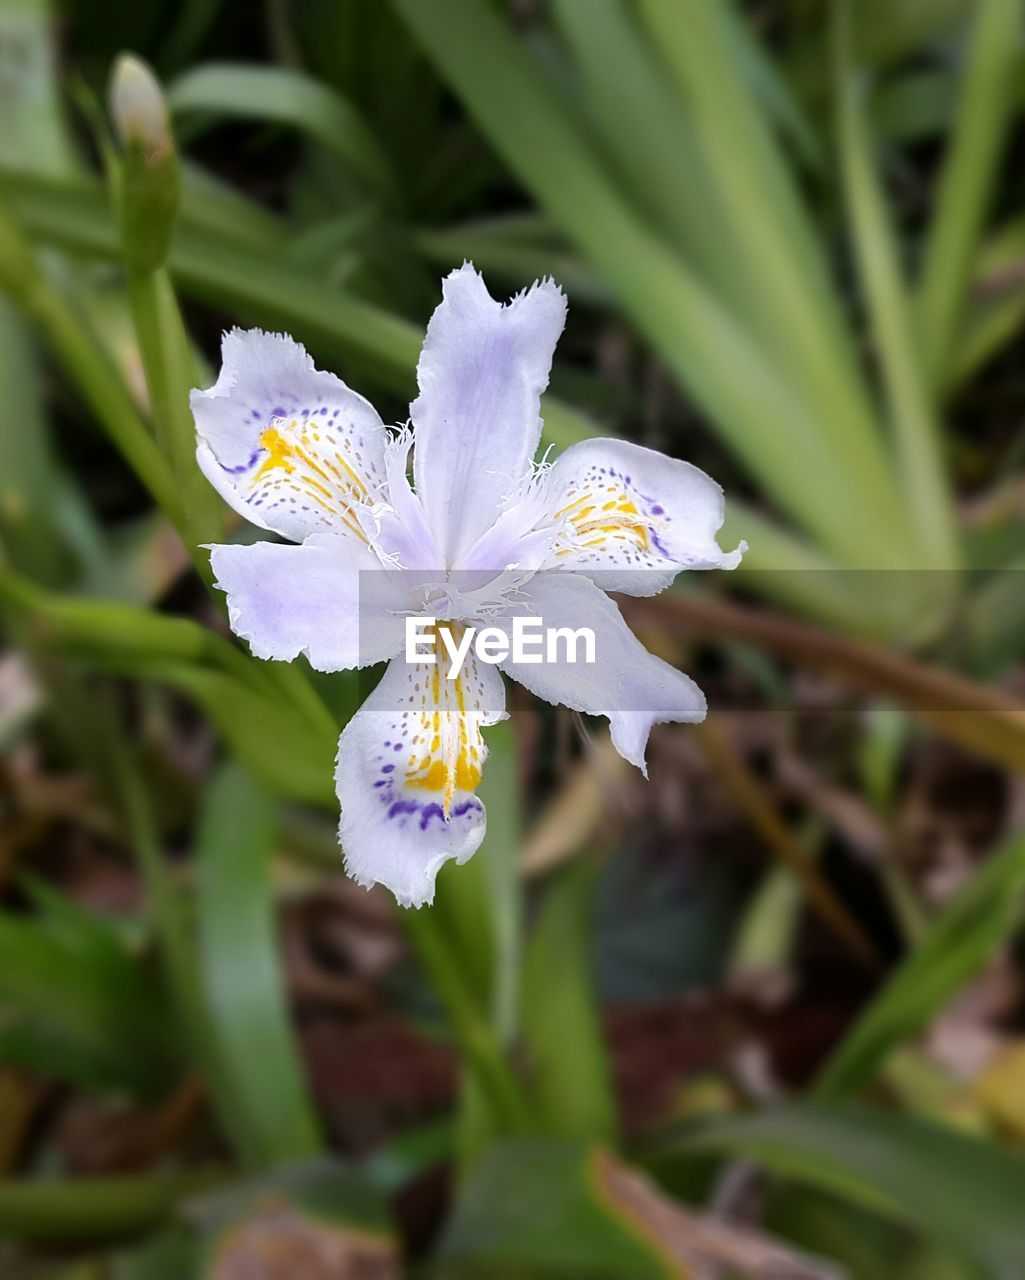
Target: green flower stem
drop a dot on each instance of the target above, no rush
(471, 1026)
(22, 276)
(167, 363)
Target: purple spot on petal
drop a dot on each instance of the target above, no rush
(431, 811)
(657, 511)
(388, 768)
(244, 466)
(658, 545)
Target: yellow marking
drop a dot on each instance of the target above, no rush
(315, 484)
(283, 453)
(456, 744)
(279, 452)
(618, 516)
(360, 486)
(570, 505)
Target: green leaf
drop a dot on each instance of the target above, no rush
(537, 1207)
(762, 415)
(73, 988)
(958, 1192)
(255, 1075)
(80, 1210)
(956, 946)
(220, 269)
(765, 224)
(283, 95)
(984, 115)
(918, 437)
(28, 465)
(562, 1024)
(292, 757)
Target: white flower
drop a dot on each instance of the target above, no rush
(483, 536)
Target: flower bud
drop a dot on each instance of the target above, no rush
(149, 184)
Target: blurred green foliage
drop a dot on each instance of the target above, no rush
(723, 188)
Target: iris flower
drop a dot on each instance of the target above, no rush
(483, 533)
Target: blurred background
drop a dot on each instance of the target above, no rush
(761, 1016)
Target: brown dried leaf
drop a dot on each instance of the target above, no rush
(280, 1243)
(698, 1244)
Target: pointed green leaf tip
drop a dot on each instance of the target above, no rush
(147, 183)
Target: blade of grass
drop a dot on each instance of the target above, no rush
(983, 118)
(650, 138)
(561, 1021)
(995, 310)
(762, 419)
(93, 1209)
(918, 441)
(957, 1191)
(284, 95)
(88, 1000)
(28, 464)
(254, 1072)
(955, 947)
(769, 230)
(32, 136)
(773, 88)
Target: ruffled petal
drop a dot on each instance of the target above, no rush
(631, 518)
(482, 370)
(330, 600)
(408, 764)
(626, 683)
(290, 447)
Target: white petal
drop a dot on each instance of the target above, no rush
(290, 447)
(626, 683)
(481, 374)
(398, 526)
(632, 518)
(331, 601)
(408, 763)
